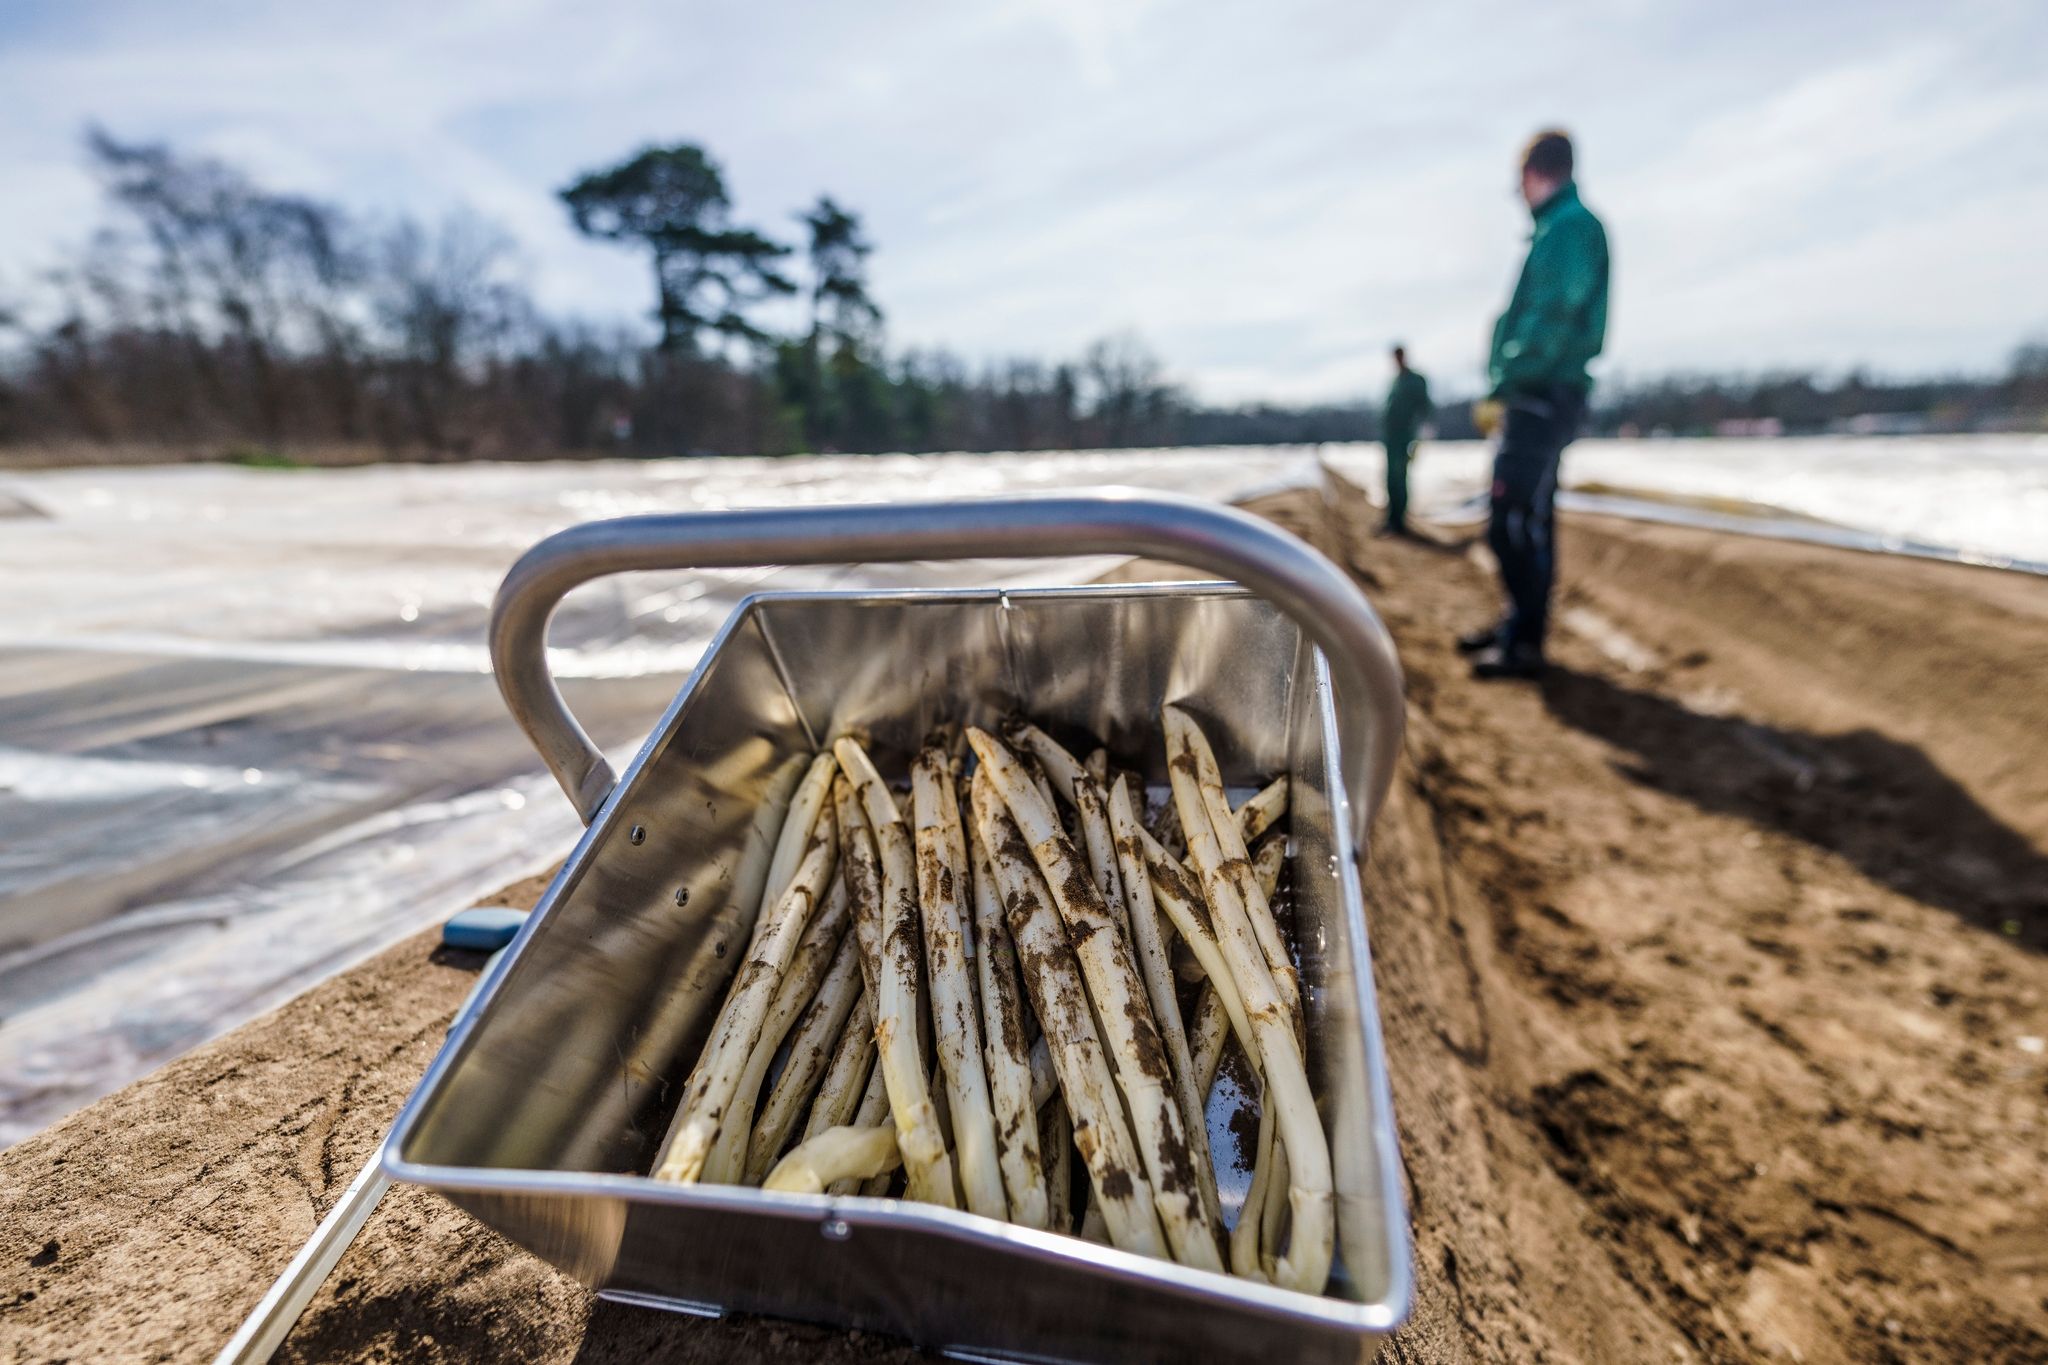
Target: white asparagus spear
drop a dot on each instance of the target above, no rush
(863, 884)
(836, 1153)
(865, 877)
(1306, 1266)
(1273, 1212)
(807, 970)
(1038, 777)
(864, 890)
(1222, 1004)
(1267, 861)
(874, 1109)
(1210, 1033)
(839, 1093)
(868, 893)
(874, 1101)
(1254, 818)
(1181, 901)
(804, 804)
(1211, 1029)
(792, 840)
(1251, 821)
(956, 837)
(1113, 984)
(1191, 749)
(1009, 1057)
(1262, 811)
(957, 840)
(941, 884)
(1090, 803)
(1103, 842)
(1255, 1241)
(1245, 1247)
(1161, 989)
(709, 1093)
(810, 1053)
(926, 1165)
(1053, 982)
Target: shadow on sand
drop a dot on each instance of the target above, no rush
(1881, 804)
(619, 1333)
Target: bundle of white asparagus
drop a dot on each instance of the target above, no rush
(983, 979)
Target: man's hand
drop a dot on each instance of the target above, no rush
(1487, 415)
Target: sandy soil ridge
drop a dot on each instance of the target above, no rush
(1711, 963)
(1714, 980)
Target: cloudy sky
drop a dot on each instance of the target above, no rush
(1267, 194)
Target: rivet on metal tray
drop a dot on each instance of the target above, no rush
(682, 895)
(636, 835)
(836, 1230)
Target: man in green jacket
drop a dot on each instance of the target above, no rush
(1408, 407)
(1555, 323)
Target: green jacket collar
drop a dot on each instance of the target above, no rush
(1567, 193)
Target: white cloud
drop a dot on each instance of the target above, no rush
(1268, 195)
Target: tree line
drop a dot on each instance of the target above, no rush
(1799, 403)
(211, 313)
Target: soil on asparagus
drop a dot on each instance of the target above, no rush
(1712, 970)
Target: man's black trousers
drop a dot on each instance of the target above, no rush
(1522, 529)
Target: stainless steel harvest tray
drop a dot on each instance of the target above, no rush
(551, 1098)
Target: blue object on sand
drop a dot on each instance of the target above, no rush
(483, 929)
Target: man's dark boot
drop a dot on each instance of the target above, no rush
(1487, 637)
(1503, 662)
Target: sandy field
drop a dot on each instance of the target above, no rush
(1712, 970)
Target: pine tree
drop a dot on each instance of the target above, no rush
(707, 271)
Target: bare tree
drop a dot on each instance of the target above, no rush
(447, 310)
(1128, 395)
(240, 274)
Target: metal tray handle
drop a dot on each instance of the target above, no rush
(1275, 565)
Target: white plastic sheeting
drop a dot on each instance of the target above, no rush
(1984, 495)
